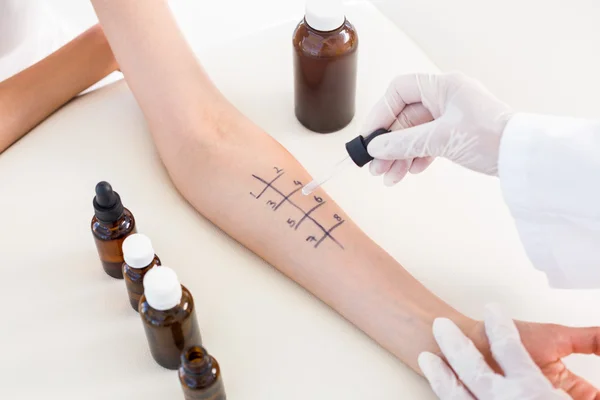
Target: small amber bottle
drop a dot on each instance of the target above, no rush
(200, 375)
(111, 224)
(168, 313)
(325, 67)
(139, 257)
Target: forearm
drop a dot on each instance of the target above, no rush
(222, 164)
(227, 183)
(30, 96)
(346, 270)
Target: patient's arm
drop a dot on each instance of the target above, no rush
(30, 96)
(241, 179)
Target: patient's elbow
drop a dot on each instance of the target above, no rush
(192, 147)
(199, 140)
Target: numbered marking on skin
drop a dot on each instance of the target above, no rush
(267, 185)
(305, 215)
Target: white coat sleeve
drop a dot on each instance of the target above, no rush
(29, 31)
(549, 170)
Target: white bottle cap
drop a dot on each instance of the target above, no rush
(324, 15)
(138, 251)
(162, 288)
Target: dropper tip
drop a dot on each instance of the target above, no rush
(308, 189)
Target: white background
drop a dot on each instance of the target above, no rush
(537, 55)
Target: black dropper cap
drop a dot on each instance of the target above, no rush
(107, 203)
(357, 147)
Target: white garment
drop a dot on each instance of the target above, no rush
(549, 170)
(29, 31)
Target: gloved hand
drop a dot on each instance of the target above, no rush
(443, 115)
(522, 378)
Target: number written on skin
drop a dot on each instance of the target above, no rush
(272, 185)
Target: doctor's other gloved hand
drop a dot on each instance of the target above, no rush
(435, 115)
(522, 380)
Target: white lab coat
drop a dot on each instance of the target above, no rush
(549, 170)
(29, 31)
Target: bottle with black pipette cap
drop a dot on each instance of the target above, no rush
(357, 155)
(111, 224)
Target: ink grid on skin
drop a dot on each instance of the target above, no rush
(304, 216)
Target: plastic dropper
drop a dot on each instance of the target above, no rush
(357, 153)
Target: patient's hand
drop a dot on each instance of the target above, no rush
(547, 344)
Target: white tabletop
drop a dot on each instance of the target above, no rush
(68, 331)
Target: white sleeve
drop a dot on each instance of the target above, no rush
(549, 170)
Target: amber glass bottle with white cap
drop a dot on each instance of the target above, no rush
(325, 64)
(169, 316)
(139, 257)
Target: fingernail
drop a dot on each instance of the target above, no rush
(427, 362)
(377, 148)
(416, 168)
(375, 168)
(492, 312)
(499, 323)
(389, 181)
(442, 327)
(438, 323)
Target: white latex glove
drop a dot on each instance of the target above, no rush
(442, 115)
(522, 378)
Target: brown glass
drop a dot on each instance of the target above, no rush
(109, 237)
(134, 281)
(325, 76)
(171, 331)
(200, 375)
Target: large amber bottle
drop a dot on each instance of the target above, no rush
(325, 67)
